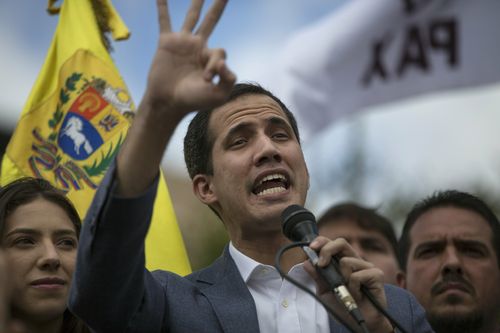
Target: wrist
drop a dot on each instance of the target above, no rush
(158, 114)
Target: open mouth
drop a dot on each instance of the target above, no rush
(271, 184)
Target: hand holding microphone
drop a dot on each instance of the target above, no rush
(299, 225)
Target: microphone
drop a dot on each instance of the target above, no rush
(299, 225)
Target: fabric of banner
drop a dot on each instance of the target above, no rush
(373, 52)
(76, 118)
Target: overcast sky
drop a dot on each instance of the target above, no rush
(253, 33)
(439, 141)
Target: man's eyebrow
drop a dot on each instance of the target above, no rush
(243, 126)
(278, 121)
(432, 243)
(238, 128)
(471, 242)
(371, 239)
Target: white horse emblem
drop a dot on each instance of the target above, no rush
(73, 130)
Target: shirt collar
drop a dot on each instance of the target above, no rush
(247, 266)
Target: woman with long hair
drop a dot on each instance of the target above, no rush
(39, 230)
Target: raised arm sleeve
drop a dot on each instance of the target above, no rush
(111, 287)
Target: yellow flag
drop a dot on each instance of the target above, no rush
(77, 117)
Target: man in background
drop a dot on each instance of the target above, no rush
(450, 248)
(369, 233)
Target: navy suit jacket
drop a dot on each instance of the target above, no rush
(113, 292)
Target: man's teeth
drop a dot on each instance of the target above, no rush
(272, 177)
(271, 184)
(272, 190)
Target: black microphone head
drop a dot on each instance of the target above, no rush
(298, 224)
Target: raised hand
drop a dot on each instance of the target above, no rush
(185, 76)
(183, 70)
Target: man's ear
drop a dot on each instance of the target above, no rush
(401, 279)
(203, 189)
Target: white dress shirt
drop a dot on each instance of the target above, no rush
(281, 307)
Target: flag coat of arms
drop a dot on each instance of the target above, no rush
(76, 119)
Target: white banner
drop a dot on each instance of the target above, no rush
(376, 51)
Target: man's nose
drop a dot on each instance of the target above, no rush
(268, 151)
(451, 261)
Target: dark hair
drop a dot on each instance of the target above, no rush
(25, 190)
(366, 218)
(450, 198)
(198, 141)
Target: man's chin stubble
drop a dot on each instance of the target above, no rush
(452, 321)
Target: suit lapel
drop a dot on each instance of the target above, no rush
(231, 300)
(233, 304)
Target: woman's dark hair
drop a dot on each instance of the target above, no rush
(25, 190)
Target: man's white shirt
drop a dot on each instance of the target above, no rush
(281, 306)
